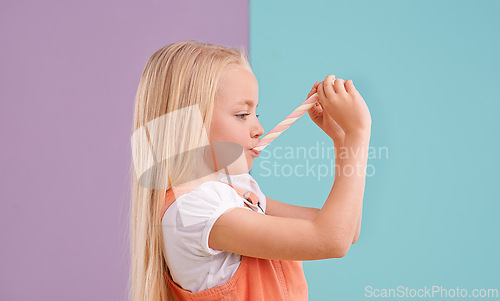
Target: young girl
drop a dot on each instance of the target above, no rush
(201, 228)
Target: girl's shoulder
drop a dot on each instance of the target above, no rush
(208, 189)
(206, 200)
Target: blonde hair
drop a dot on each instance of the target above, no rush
(177, 76)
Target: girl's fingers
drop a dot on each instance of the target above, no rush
(321, 93)
(310, 93)
(314, 89)
(339, 86)
(328, 86)
(349, 86)
(318, 107)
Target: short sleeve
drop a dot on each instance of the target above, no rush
(199, 209)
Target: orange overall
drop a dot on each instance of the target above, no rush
(255, 278)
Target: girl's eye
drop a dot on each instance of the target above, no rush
(243, 116)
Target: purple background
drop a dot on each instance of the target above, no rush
(68, 80)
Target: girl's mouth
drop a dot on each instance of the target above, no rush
(255, 152)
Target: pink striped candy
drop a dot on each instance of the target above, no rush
(289, 120)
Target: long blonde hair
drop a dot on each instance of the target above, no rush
(180, 75)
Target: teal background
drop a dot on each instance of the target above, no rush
(429, 72)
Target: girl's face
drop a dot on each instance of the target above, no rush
(234, 120)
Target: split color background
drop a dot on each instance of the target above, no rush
(428, 71)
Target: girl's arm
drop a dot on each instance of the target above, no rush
(358, 228)
(277, 208)
(329, 235)
(338, 146)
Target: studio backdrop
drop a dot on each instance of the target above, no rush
(428, 71)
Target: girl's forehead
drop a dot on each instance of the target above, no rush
(246, 102)
(237, 102)
(238, 87)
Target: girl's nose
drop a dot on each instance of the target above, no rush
(257, 130)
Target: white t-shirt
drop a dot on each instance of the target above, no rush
(186, 226)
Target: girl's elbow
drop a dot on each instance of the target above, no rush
(355, 239)
(339, 249)
(334, 244)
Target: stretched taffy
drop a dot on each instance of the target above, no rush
(289, 120)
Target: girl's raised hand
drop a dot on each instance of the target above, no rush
(324, 120)
(344, 104)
